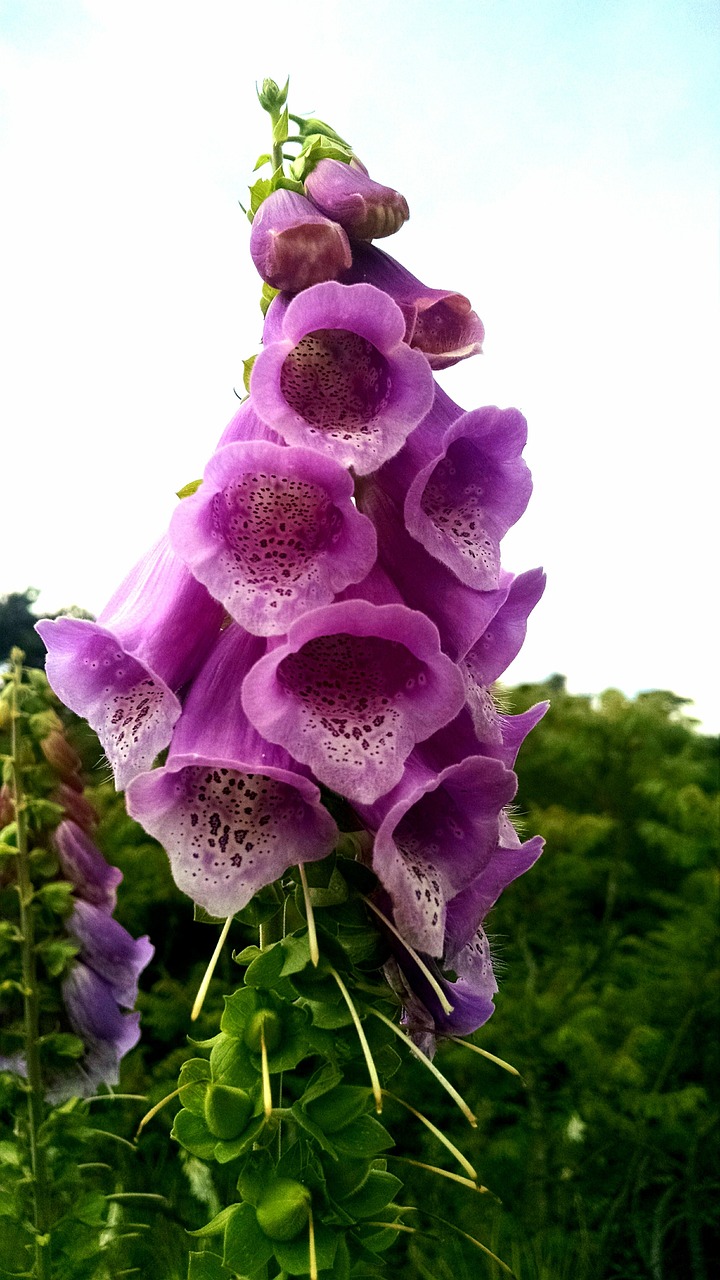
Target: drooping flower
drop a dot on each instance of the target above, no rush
(122, 672)
(107, 1033)
(272, 532)
(232, 811)
(440, 323)
(109, 950)
(466, 952)
(93, 879)
(366, 209)
(340, 379)
(351, 690)
(461, 504)
(434, 833)
(293, 246)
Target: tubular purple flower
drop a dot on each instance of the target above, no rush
(351, 691)
(121, 673)
(293, 246)
(462, 503)
(466, 951)
(232, 811)
(107, 1033)
(366, 209)
(433, 834)
(485, 732)
(461, 613)
(272, 532)
(110, 950)
(341, 380)
(440, 323)
(83, 865)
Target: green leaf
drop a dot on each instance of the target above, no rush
(56, 954)
(206, 1266)
(294, 1255)
(364, 1137)
(265, 158)
(325, 1079)
(297, 953)
(265, 970)
(193, 1082)
(259, 191)
(376, 1192)
(56, 896)
(339, 1108)
(230, 1063)
(200, 914)
(305, 1122)
(246, 1247)
(280, 128)
(266, 297)
(247, 370)
(230, 1150)
(63, 1044)
(192, 1132)
(216, 1224)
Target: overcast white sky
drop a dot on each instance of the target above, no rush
(560, 161)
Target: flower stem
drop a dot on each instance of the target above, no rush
(34, 1087)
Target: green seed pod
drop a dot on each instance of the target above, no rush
(227, 1110)
(267, 1022)
(284, 1209)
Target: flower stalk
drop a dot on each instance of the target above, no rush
(34, 1086)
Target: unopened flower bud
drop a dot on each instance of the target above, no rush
(263, 1023)
(293, 246)
(227, 1110)
(7, 808)
(271, 97)
(284, 1209)
(62, 757)
(364, 208)
(76, 807)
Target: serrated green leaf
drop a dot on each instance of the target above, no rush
(192, 487)
(246, 1248)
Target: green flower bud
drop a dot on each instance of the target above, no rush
(265, 1021)
(271, 97)
(227, 1110)
(284, 1209)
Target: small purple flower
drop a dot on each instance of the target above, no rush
(121, 673)
(440, 323)
(107, 1033)
(293, 246)
(433, 834)
(466, 952)
(351, 691)
(462, 503)
(110, 950)
(83, 865)
(341, 380)
(366, 209)
(232, 811)
(272, 532)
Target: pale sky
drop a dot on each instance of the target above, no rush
(560, 162)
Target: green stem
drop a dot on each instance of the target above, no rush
(277, 147)
(34, 1087)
